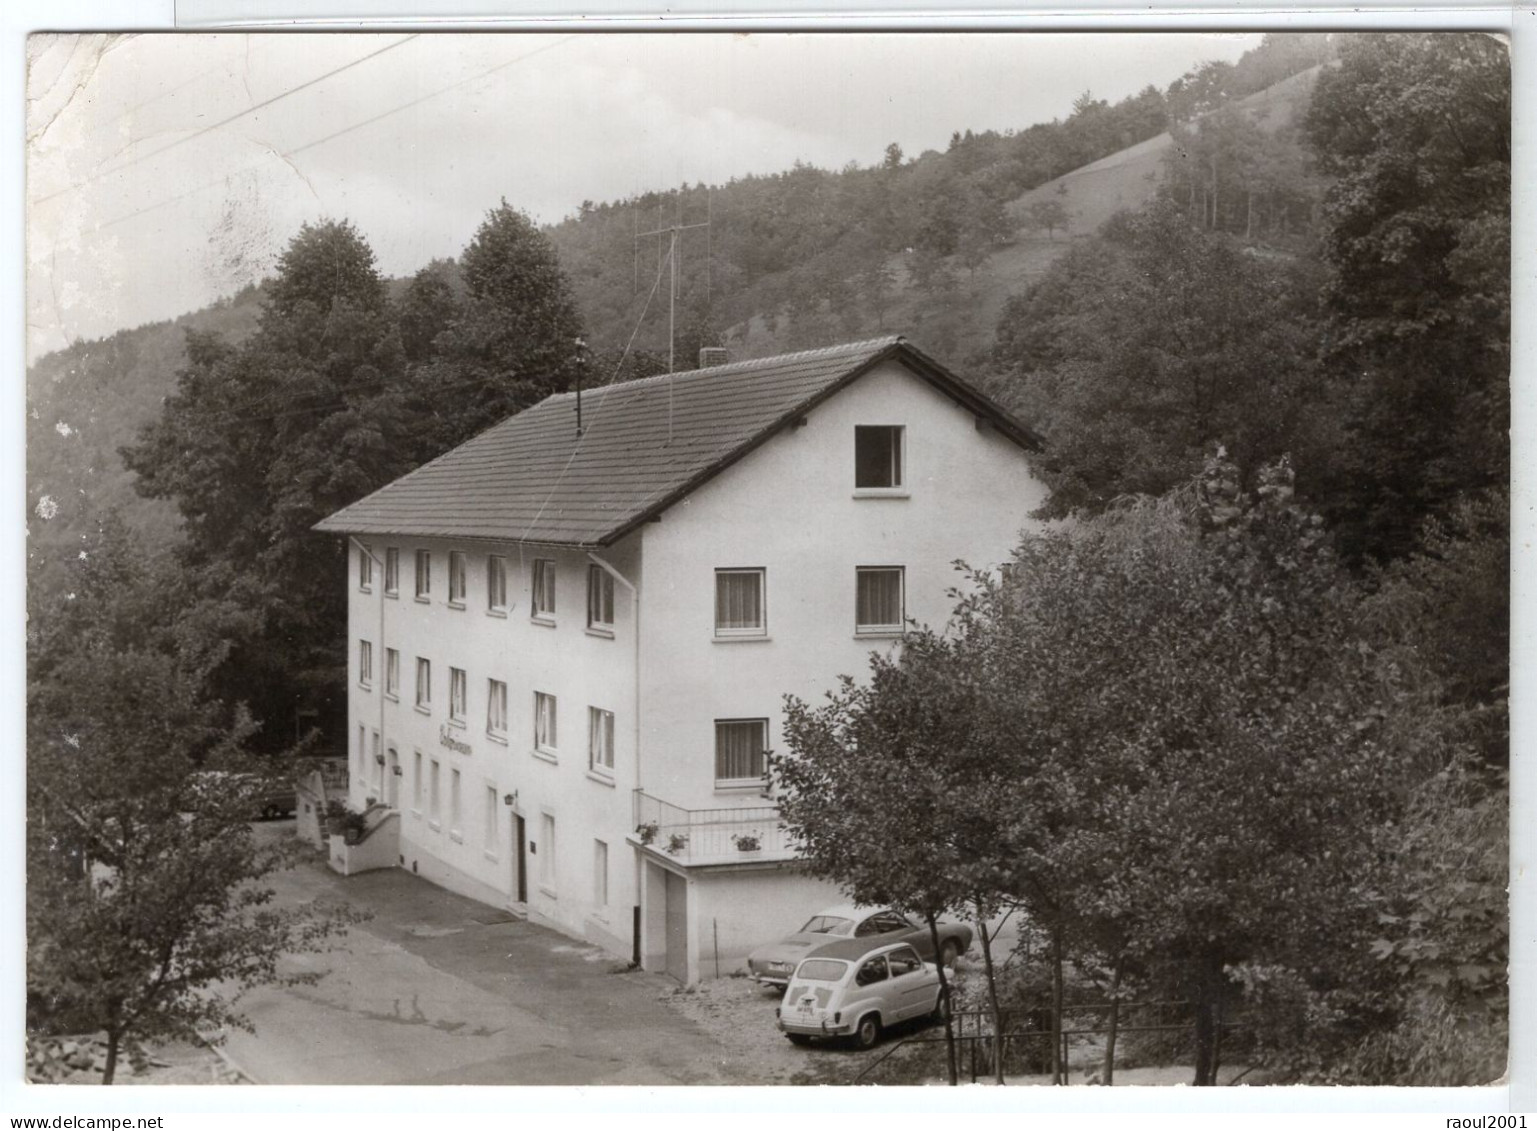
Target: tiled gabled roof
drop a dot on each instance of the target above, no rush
(532, 479)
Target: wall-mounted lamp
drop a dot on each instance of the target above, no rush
(399, 772)
(510, 799)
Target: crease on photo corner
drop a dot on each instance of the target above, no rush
(85, 56)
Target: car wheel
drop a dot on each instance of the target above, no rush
(949, 953)
(799, 1039)
(868, 1031)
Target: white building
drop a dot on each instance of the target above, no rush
(570, 649)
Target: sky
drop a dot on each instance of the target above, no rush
(164, 171)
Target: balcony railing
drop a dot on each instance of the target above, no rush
(711, 836)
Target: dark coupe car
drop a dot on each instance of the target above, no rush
(774, 963)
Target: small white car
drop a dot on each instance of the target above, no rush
(851, 989)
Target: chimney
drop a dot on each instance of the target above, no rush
(713, 355)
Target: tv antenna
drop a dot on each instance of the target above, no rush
(671, 232)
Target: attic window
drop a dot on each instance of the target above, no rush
(877, 456)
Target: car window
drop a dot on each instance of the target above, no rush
(826, 925)
(882, 922)
(821, 970)
(904, 961)
(873, 970)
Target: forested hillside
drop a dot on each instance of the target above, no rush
(931, 246)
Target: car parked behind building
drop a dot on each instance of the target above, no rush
(851, 989)
(772, 964)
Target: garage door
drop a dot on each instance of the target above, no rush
(677, 927)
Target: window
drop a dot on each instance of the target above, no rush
(600, 598)
(432, 796)
(739, 603)
(600, 740)
(456, 578)
(362, 751)
(740, 746)
(423, 684)
(904, 962)
(458, 695)
(878, 606)
(873, 970)
(423, 575)
(365, 663)
(392, 673)
(365, 568)
(600, 875)
(877, 456)
(547, 851)
(496, 584)
(416, 781)
(882, 923)
(496, 708)
(542, 604)
(544, 722)
(453, 802)
(392, 571)
(488, 820)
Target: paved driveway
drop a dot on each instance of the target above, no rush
(433, 990)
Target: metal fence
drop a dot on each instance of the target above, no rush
(1025, 1046)
(693, 836)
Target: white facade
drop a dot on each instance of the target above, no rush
(789, 514)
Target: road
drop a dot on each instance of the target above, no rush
(433, 990)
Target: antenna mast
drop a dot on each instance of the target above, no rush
(671, 232)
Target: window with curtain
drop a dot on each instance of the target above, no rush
(365, 663)
(456, 577)
(365, 568)
(600, 740)
(878, 606)
(543, 589)
(423, 574)
(600, 598)
(458, 694)
(391, 672)
(496, 584)
(392, 571)
(423, 683)
(544, 722)
(496, 708)
(741, 746)
(739, 604)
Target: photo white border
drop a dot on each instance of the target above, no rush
(401, 1107)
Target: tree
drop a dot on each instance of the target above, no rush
(517, 337)
(893, 157)
(874, 786)
(1205, 746)
(1414, 129)
(261, 441)
(145, 909)
(1138, 349)
(1046, 214)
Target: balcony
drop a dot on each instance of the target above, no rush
(695, 837)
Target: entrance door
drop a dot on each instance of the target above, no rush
(677, 927)
(519, 859)
(392, 779)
